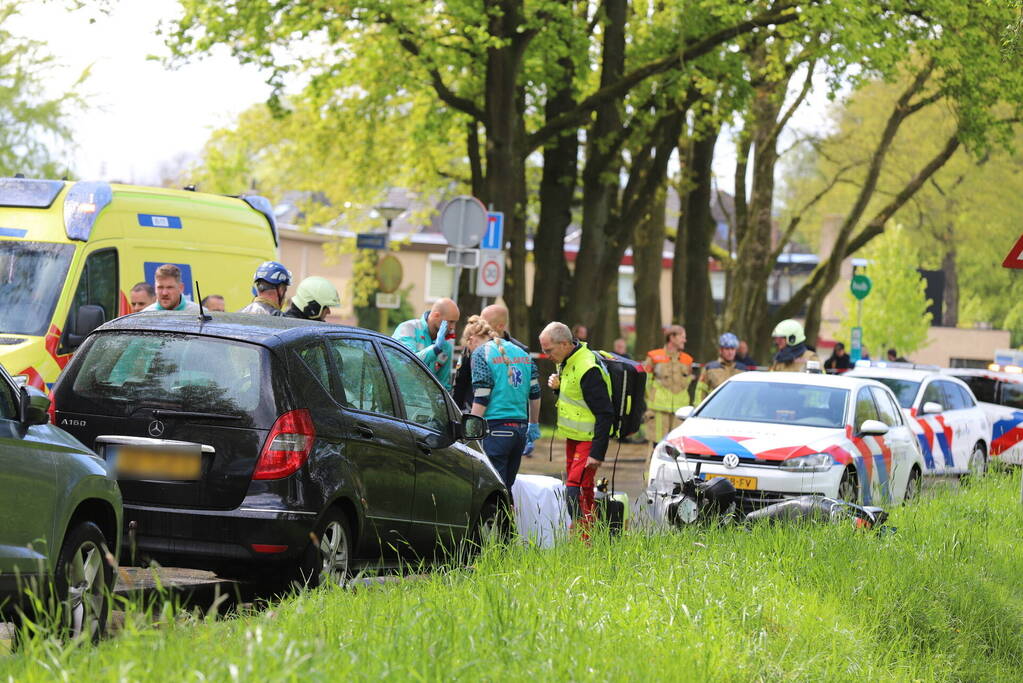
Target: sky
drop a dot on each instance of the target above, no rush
(141, 114)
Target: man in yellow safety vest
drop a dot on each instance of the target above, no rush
(585, 413)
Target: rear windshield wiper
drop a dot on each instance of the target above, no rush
(164, 412)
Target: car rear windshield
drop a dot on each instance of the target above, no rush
(904, 389)
(122, 371)
(778, 402)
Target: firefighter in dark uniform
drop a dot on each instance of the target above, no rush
(717, 371)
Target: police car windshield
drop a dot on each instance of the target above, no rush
(31, 279)
(905, 390)
(805, 405)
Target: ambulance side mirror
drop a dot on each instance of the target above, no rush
(87, 318)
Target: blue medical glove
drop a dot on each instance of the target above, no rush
(533, 433)
(440, 342)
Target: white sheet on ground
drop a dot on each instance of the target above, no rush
(540, 512)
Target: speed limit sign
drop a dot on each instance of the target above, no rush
(490, 275)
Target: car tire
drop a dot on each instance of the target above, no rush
(976, 466)
(327, 559)
(848, 486)
(492, 525)
(84, 581)
(914, 486)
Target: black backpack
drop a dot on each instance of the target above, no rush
(628, 392)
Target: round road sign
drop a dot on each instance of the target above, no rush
(389, 274)
(463, 221)
(860, 286)
(490, 272)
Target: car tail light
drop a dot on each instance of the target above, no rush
(52, 411)
(267, 548)
(287, 446)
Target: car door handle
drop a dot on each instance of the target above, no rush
(363, 431)
(423, 446)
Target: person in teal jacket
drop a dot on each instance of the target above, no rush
(506, 392)
(432, 338)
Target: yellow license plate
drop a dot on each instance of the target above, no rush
(134, 463)
(746, 483)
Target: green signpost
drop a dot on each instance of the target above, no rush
(860, 288)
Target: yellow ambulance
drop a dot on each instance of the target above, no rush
(69, 250)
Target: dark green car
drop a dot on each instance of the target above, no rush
(61, 511)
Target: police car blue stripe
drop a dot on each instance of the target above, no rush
(925, 446)
(998, 429)
(722, 445)
(13, 232)
(882, 476)
(149, 220)
(945, 450)
(861, 467)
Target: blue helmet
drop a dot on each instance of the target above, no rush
(728, 341)
(272, 272)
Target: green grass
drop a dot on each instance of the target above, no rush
(939, 600)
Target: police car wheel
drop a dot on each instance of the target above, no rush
(976, 466)
(848, 487)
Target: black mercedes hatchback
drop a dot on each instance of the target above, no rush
(248, 443)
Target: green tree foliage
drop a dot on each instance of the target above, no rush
(895, 312)
(31, 122)
(963, 220)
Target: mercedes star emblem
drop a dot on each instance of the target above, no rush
(731, 461)
(155, 428)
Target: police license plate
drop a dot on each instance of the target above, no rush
(746, 483)
(170, 465)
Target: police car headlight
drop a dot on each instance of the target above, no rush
(815, 462)
(20, 380)
(665, 451)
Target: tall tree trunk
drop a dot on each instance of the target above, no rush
(678, 262)
(600, 181)
(647, 255)
(950, 304)
(701, 330)
(557, 190)
(746, 309)
(504, 113)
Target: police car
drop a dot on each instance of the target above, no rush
(783, 434)
(953, 431)
(999, 391)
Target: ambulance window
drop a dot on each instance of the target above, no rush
(98, 283)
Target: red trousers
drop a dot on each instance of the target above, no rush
(579, 477)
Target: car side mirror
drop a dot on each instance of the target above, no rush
(873, 428)
(472, 427)
(684, 412)
(87, 318)
(35, 407)
(932, 408)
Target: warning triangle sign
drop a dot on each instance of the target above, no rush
(1014, 259)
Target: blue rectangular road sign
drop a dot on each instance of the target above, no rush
(371, 240)
(493, 238)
